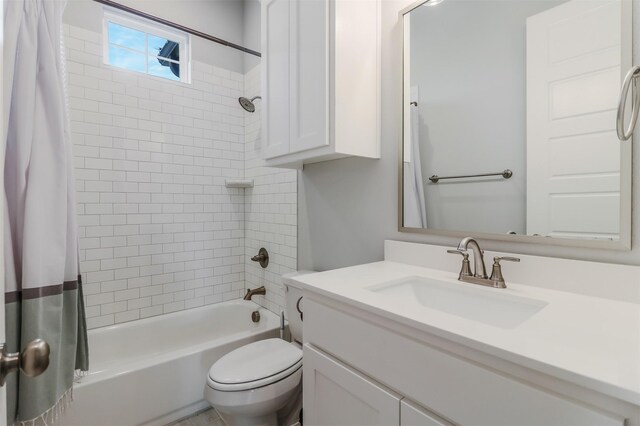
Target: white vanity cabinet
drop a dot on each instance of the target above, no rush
(321, 80)
(412, 414)
(338, 395)
(377, 369)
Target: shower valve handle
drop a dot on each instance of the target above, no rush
(262, 257)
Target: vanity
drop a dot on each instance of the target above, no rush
(509, 135)
(403, 341)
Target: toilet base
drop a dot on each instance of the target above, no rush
(273, 405)
(288, 415)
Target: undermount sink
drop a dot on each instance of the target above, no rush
(487, 305)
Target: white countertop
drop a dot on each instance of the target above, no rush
(590, 341)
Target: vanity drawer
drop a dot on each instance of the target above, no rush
(452, 387)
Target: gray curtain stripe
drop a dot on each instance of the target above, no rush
(35, 293)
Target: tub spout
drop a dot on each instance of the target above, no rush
(250, 293)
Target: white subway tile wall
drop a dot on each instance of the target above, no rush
(159, 231)
(271, 211)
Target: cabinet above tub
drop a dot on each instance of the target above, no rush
(321, 81)
(574, 359)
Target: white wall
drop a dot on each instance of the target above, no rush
(159, 232)
(270, 212)
(473, 110)
(220, 18)
(347, 207)
(251, 39)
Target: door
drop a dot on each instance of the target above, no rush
(334, 394)
(276, 18)
(575, 63)
(309, 84)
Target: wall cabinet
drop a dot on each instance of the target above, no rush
(321, 80)
(430, 384)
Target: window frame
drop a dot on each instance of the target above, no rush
(149, 28)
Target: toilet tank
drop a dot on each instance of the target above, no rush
(293, 294)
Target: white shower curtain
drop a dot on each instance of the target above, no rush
(415, 209)
(43, 292)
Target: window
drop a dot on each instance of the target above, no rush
(140, 45)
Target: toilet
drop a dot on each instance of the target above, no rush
(260, 384)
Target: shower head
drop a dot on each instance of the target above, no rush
(247, 104)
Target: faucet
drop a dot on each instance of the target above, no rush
(251, 293)
(479, 269)
(479, 274)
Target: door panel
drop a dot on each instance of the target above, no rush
(334, 394)
(275, 77)
(309, 88)
(574, 69)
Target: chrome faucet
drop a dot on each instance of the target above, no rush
(251, 293)
(479, 274)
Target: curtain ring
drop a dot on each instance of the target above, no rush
(630, 83)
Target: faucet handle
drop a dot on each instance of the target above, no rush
(496, 273)
(460, 252)
(497, 259)
(465, 271)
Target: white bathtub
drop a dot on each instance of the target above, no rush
(153, 371)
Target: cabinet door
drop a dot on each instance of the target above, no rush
(276, 19)
(334, 394)
(413, 415)
(309, 70)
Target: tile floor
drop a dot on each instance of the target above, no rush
(204, 418)
(208, 417)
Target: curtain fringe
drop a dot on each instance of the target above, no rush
(52, 415)
(78, 375)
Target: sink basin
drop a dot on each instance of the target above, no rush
(487, 305)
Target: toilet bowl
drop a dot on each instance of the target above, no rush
(260, 384)
(251, 385)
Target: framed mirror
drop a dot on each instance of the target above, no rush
(509, 121)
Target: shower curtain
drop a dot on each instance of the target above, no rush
(43, 293)
(415, 209)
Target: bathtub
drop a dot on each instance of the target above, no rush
(153, 371)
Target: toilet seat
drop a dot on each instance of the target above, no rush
(255, 365)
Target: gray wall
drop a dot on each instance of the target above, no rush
(469, 75)
(251, 36)
(348, 207)
(220, 18)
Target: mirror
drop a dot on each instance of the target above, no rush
(509, 117)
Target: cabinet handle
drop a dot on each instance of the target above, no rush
(298, 308)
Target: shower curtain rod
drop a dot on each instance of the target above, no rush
(178, 26)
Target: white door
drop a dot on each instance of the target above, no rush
(575, 63)
(276, 18)
(309, 72)
(334, 394)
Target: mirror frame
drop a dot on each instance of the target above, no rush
(623, 244)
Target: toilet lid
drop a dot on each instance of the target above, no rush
(255, 362)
